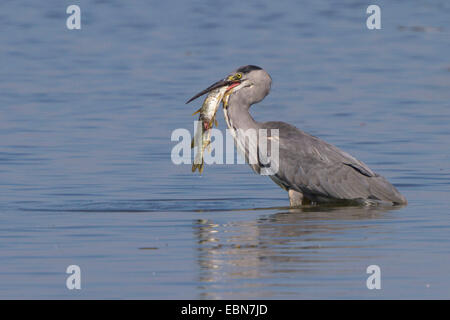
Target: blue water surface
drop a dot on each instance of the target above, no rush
(86, 176)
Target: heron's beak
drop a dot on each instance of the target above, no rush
(230, 82)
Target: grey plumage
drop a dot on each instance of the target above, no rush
(310, 169)
(324, 173)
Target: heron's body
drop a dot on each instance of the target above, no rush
(310, 169)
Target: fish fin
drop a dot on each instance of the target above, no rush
(200, 109)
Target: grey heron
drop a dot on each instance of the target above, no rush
(311, 170)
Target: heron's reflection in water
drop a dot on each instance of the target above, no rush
(286, 249)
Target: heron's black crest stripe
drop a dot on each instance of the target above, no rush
(247, 69)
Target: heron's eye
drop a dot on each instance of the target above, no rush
(238, 76)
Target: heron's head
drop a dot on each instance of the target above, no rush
(250, 82)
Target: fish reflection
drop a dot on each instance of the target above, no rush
(294, 243)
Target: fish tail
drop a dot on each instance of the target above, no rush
(198, 166)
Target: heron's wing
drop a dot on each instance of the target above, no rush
(317, 168)
(314, 149)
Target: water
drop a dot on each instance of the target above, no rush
(86, 178)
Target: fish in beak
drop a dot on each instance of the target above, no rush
(207, 117)
(231, 82)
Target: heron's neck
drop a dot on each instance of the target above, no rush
(238, 115)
